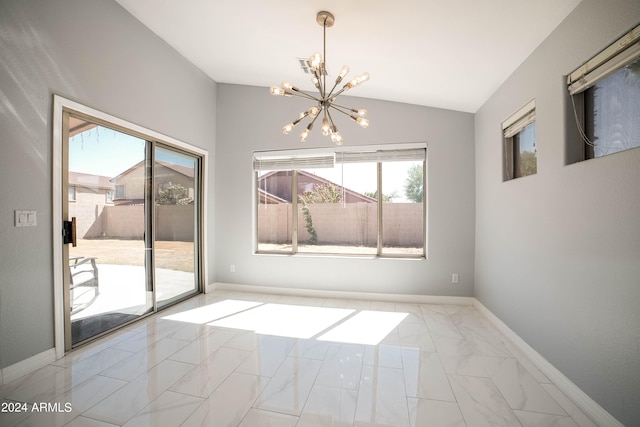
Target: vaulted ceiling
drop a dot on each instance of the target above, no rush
(449, 54)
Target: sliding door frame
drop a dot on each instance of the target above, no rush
(61, 106)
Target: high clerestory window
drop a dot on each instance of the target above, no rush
(519, 140)
(605, 98)
(354, 201)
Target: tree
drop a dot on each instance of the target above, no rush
(323, 193)
(528, 163)
(172, 194)
(385, 197)
(414, 184)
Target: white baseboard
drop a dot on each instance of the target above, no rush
(596, 412)
(209, 287)
(317, 293)
(27, 366)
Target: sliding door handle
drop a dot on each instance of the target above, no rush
(69, 232)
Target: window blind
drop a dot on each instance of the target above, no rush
(327, 158)
(519, 120)
(414, 154)
(622, 52)
(278, 162)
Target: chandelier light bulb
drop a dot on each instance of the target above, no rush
(363, 77)
(325, 127)
(325, 98)
(314, 61)
(287, 128)
(304, 135)
(343, 72)
(363, 122)
(276, 90)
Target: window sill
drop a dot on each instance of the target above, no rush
(342, 256)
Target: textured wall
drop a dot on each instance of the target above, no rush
(558, 253)
(96, 53)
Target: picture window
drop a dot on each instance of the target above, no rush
(336, 208)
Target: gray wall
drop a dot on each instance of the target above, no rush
(558, 253)
(96, 53)
(249, 119)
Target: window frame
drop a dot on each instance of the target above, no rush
(333, 153)
(512, 129)
(618, 55)
(115, 192)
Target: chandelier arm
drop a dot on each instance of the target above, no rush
(339, 108)
(303, 94)
(330, 95)
(313, 121)
(340, 91)
(321, 80)
(333, 104)
(333, 125)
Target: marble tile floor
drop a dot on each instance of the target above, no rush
(244, 359)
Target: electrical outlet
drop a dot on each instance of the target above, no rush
(232, 268)
(454, 278)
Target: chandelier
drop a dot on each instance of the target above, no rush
(325, 100)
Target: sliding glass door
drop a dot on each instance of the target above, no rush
(176, 179)
(131, 223)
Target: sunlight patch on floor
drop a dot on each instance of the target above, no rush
(366, 327)
(285, 320)
(296, 321)
(211, 312)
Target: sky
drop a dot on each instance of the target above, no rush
(528, 139)
(106, 152)
(362, 177)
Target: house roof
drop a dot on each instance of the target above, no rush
(319, 180)
(86, 180)
(183, 170)
(77, 126)
(266, 197)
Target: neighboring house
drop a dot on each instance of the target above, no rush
(277, 185)
(269, 199)
(88, 196)
(129, 185)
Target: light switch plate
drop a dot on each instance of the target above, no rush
(26, 218)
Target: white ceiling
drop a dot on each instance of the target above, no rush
(443, 53)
